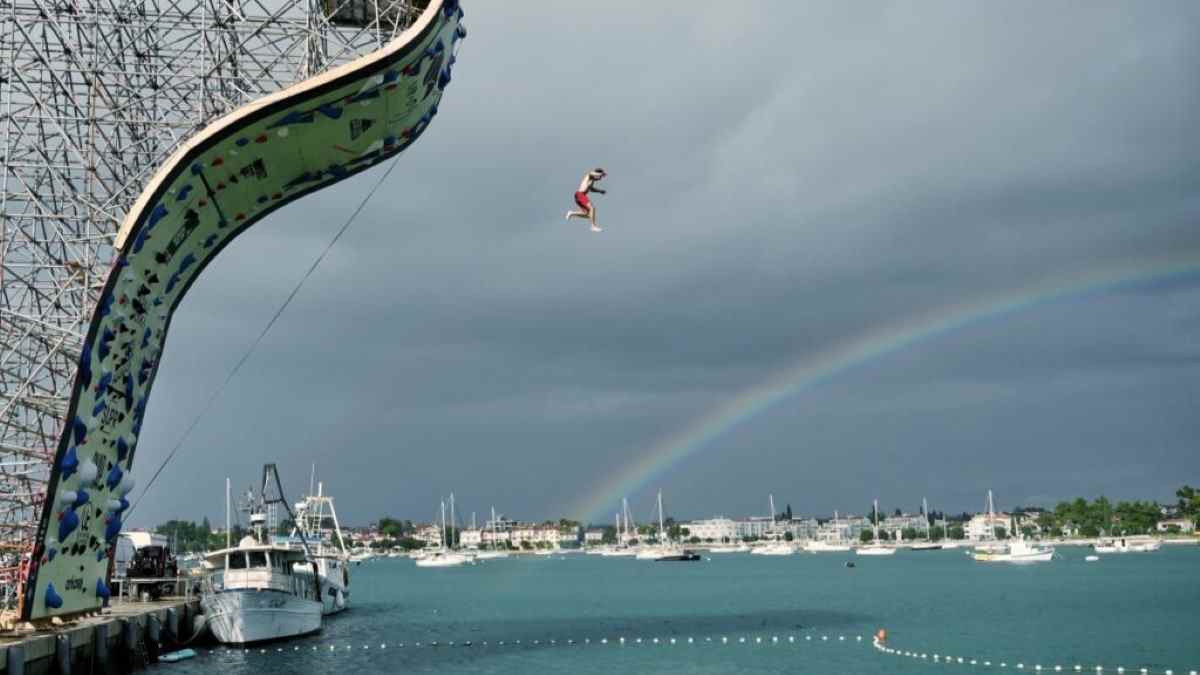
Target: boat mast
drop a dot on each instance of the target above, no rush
(925, 512)
(625, 509)
(453, 523)
(875, 522)
(442, 532)
(662, 535)
(228, 530)
(771, 504)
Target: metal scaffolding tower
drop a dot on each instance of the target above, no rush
(94, 95)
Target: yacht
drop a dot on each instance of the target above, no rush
(775, 546)
(819, 546)
(823, 546)
(442, 556)
(1123, 545)
(729, 548)
(1018, 551)
(495, 551)
(665, 551)
(625, 535)
(875, 548)
(317, 521)
(252, 592)
(929, 544)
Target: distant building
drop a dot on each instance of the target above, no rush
(716, 529)
(1185, 525)
(593, 537)
(984, 526)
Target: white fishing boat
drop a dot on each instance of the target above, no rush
(1124, 545)
(1018, 551)
(252, 592)
(317, 521)
(875, 548)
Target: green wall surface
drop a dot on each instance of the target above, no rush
(231, 175)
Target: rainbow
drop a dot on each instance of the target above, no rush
(822, 367)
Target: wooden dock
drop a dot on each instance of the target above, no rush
(122, 639)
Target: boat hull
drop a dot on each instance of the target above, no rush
(873, 550)
(245, 617)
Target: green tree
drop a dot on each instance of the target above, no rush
(910, 534)
(957, 533)
(609, 536)
(788, 536)
(866, 536)
(937, 533)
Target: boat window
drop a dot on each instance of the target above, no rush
(258, 558)
(237, 561)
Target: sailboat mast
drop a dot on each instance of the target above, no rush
(875, 521)
(442, 532)
(662, 535)
(228, 529)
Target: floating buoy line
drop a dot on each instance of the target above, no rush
(878, 642)
(1019, 666)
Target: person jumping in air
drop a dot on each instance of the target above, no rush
(588, 184)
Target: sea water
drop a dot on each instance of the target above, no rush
(737, 613)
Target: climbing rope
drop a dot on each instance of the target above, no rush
(266, 329)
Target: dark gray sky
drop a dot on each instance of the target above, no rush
(785, 177)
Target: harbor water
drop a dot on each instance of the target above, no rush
(736, 613)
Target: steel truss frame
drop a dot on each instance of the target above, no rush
(94, 96)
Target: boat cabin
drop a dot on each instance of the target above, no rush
(252, 566)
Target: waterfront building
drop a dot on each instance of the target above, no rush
(713, 529)
(983, 526)
(1185, 525)
(593, 537)
(470, 538)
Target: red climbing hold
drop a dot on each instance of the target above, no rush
(261, 138)
(241, 216)
(277, 195)
(218, 161)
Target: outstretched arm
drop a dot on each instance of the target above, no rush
(596, 189)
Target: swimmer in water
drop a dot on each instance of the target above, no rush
(588, 184)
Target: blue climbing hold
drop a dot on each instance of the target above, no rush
(156, 215)
(67, 524)
(85, 365)
(188, 261)
(80, 428)
(102, 385)
(331, 111)
(98, 408)
(53, 599)
(242, 142)
(112, 529)
(101, 555)
(69, 464)
(102, 591)
(145, 338)
(128, 391)
(50, 554)
(196, 169)
(81, 498)
(122, 449)
(183, 192)
(114, 477)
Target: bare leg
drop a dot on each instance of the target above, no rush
(592, 216)
(576, 214)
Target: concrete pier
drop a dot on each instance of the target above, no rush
(124, 638)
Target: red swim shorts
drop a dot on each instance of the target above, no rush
(581, 199)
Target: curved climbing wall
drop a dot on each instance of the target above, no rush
(229, 176)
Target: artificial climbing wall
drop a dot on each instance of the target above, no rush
(231, 175)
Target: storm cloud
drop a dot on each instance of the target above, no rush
(785, 177)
